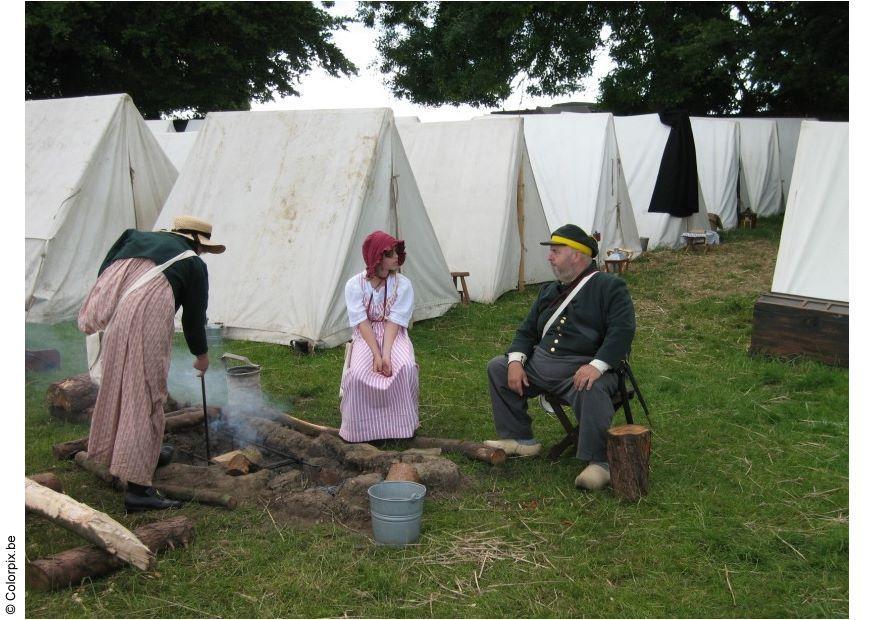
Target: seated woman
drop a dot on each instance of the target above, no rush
(381, 382)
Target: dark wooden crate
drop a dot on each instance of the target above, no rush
(791, 326)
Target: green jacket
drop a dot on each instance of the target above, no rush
(187, 277)
(598, 322)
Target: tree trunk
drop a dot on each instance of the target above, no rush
(629, 460)
(48, 479)
(96, 527)
(72, 399)
(186, 494)
(71, 567)
(472, 450)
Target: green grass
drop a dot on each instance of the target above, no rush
(747, 516)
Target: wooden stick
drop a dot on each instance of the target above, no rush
(93, 525)
(72, 567)
(307, 428)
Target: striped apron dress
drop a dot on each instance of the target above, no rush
(375, 406)
(127, 425)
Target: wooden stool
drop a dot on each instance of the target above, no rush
(748, 220)
(463, 294)
(694, 243)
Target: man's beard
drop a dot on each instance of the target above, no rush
(565, 276)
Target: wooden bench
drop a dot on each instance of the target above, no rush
(463, 294)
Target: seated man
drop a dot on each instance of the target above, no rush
(579, 327)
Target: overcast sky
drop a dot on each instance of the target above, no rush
(319, 90)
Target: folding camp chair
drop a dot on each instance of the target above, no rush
(621, 398)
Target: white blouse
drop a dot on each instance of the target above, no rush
(400, 299)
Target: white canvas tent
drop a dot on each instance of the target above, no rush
(162, 126)
(577, 168)
(92, 170)
(760, 166)
(195, 124)
(641, 140)
(717, 161)
(293, 194)
(813, 255)
(788, 138)
(477, 184)
(177, 146)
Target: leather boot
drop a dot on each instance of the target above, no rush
(150, 499)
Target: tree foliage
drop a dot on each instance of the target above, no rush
(782, 58)
(177, 56)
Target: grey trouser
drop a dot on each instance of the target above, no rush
(554, 374)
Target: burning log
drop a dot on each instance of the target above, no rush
(95, 526)
(72, 567)
(172, 491)
(473, 450)
(629, 459)
(239, 462)
(72, 399)
(48, 479)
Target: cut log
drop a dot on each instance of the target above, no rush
(72, 399)
(201, 496)
(50, 480)
(93, 525)
(185, 494)
(473, 450)
(72, 567)
(239, 462)
(190, 416)
(41, 359)
(68, 449)
(403, 471)
(629, 460)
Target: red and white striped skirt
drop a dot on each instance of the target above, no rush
(375, 406)
(128, 421)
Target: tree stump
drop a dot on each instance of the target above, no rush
(72, 399)
(629, 459)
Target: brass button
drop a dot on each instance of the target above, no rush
(556, 341)
(552, 349)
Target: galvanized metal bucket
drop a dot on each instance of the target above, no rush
(396, 511)
(244, 384)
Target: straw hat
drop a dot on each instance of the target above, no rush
(197, 230)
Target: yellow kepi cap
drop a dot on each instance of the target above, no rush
(574, 237)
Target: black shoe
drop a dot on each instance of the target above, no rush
(149, 500)
(166, 455)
